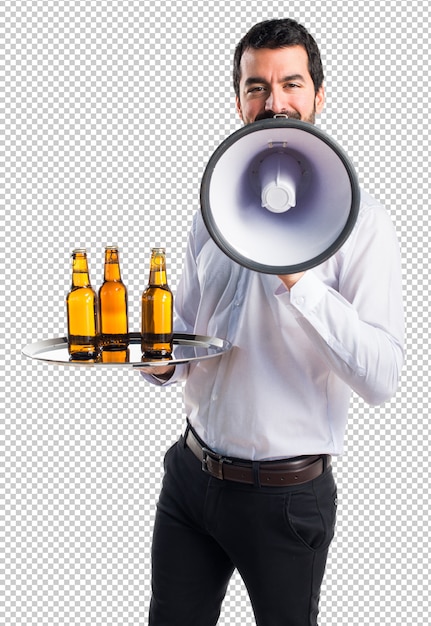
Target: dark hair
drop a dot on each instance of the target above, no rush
(279, 34)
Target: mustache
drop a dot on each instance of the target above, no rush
(267, 115)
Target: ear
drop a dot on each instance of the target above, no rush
(319, 100)
(238, 108)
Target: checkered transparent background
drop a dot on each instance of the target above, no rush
(112, 111)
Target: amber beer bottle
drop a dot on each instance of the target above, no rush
(81, 304)
(157, 310)
(113, 317)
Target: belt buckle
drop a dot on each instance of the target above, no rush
(218, 460)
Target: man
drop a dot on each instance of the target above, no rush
(249, 485)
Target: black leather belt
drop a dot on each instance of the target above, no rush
(296, 471)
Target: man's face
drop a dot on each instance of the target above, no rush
(277, 81)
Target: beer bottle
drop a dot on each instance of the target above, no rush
(81, 304)
(113, 320)
(157, 310)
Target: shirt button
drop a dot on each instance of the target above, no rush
(299, 301)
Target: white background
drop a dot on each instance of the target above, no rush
(112, 112)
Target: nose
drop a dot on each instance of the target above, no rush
(274, 102)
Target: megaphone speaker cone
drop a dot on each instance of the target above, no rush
(279, 196)
(279, 177)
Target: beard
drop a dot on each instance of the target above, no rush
(265, 115)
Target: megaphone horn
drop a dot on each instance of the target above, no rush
(279, 196)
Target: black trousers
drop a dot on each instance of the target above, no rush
(276, 537)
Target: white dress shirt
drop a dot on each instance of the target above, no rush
(283, 389)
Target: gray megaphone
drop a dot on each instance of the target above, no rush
(279, 196)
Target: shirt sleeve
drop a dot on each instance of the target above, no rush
(359, 327)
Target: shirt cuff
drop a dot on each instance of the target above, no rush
(177, 376)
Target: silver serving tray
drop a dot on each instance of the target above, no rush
(185, 349)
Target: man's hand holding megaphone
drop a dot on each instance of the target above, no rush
(291, 279)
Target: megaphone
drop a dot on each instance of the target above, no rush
(279, 196)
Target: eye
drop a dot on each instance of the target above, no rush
(256, 91)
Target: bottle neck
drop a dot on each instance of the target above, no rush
(112, 265)
(158, 277)
(158, 269)
(80, 275)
